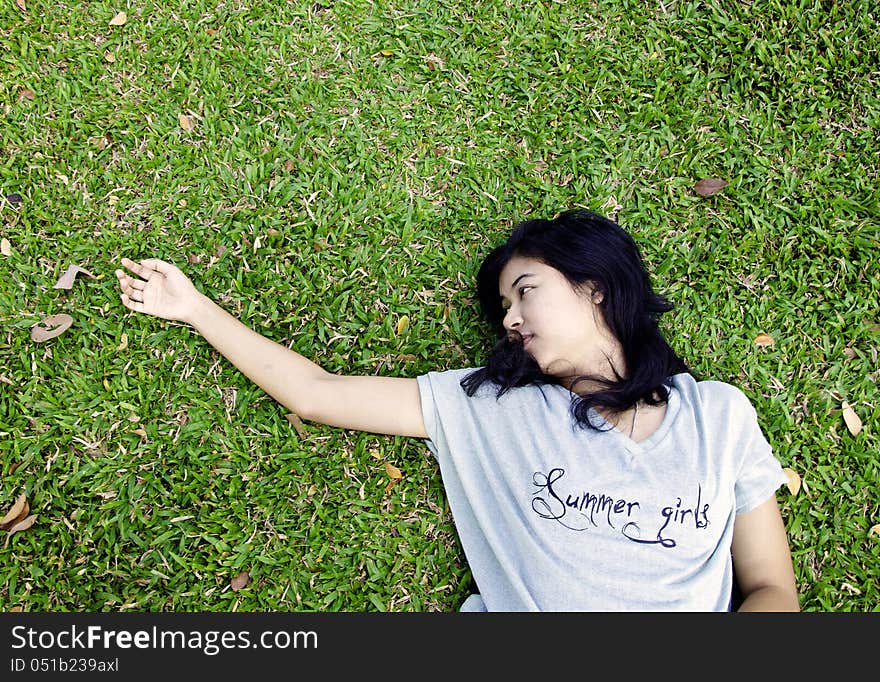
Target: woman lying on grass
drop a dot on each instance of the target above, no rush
(586, 467)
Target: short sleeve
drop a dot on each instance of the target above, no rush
(760, 474)
(429, 411)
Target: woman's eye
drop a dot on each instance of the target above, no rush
(523, 290)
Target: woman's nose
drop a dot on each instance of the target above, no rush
(512, 319)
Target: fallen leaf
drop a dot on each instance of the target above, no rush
(850, 353)
(123, 343)
(5, 247)
(709, 186)
(289, 165)
(875, 529)
(140, 432)
(402, 325)
(853, 423)
(50, 327)
(6, 380)
(109, 56)
(24, 524)
(794, 480)
(185, 122)
(297, 424)
(240, 581)
(17, 511)
(66, 280)
(27, 94)
(20, 5)
(393, 471)
(434, 61)
(764, 340)
(393, 482)
(119, 19)
(387, 53)
(375, 454)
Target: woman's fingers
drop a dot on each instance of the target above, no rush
(137, 306)
(143, 269)
(158, 265)
(129, 285)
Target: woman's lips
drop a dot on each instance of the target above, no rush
(527, 338)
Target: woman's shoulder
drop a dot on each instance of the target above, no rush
(711, 392)
(455, 381)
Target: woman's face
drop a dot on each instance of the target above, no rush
(564, 330)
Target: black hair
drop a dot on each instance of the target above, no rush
(586, 248)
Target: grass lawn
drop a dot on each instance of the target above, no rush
(323, 169)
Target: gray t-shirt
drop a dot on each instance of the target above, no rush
(556, 517)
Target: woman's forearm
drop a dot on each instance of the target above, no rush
(280, 372)
(770, 598)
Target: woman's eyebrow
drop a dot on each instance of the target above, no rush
(515, 282)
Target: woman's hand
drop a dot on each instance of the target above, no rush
(159, 289)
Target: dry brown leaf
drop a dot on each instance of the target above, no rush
(16, 512)
(853, 423)
(140, 432)
(289, 165)
(297, 424)
(67, 279)
(794, 480)
(50, 327)
(123, 342)
(402, 325)
(240, 581)
(27, 94)
(393, 471)
(875, 529)
(109, 56)
(20, 5)
(393, 482)
(5, 247)
(185, 122)
(709, 186)
(119, 19)
(764, 340)
(24, 524)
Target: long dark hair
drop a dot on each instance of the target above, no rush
(586, 248)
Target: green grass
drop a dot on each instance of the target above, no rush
(356, 160)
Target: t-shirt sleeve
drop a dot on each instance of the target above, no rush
(760, 474)
(431, 389)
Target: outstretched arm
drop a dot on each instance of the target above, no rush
(763, 560)
(365, 403)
